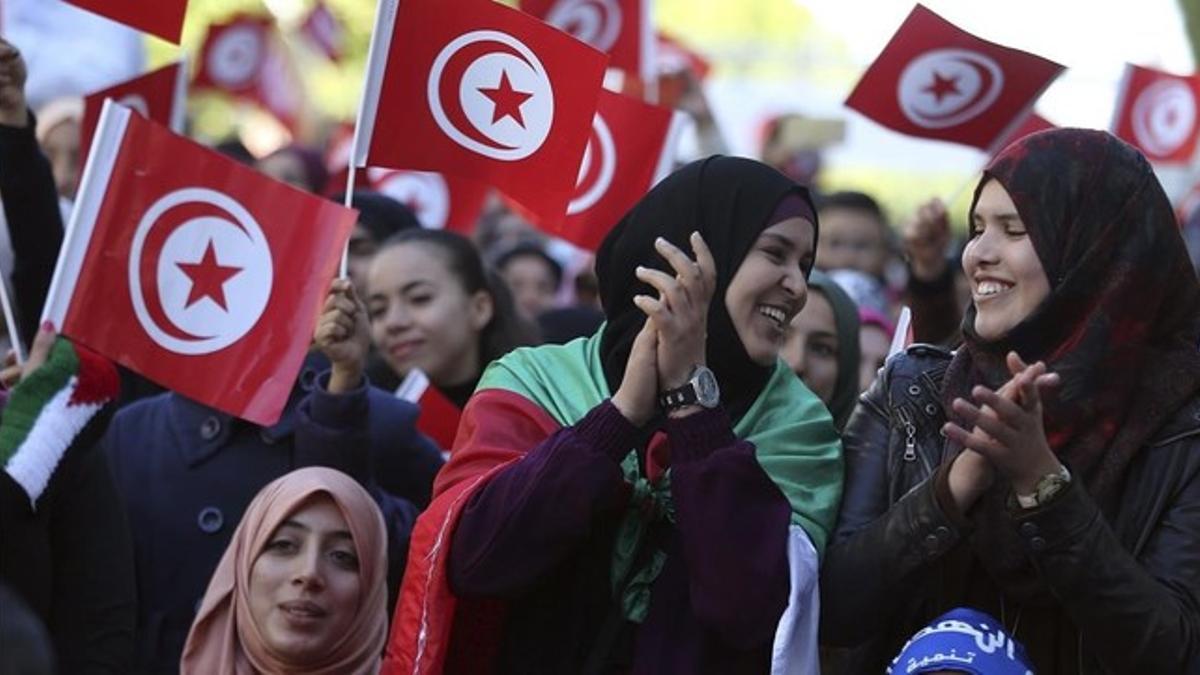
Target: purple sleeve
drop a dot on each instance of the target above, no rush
(533, 514)
(733, 523)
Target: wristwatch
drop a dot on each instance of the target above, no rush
(700, 389)
(1046, 487)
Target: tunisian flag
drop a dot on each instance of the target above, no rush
(1032, 124)
(1157, 113)
(324, 32)
(439, 201)
(195, 271)
(490, 94)
(937, 81)
(245, 58)
(631, 148)
(163, 18)
(623, 29)
(160, 95)
(439, 416)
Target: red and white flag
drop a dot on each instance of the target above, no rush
(490, 94)
(1157, 113)
(197, 272)
(244, 57)
(631, 148)
(1032, 124)
(163, 18)
(440, 201)
(160, 95)
(937, 81)
(623, 29)
(324, 31)
(439, 416)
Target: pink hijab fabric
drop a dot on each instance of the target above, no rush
(224, 639)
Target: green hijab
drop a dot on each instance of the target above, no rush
(845, 318)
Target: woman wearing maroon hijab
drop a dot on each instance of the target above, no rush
(1062, 496)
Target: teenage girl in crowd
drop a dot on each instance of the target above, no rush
(1048, 471)
(433, 306)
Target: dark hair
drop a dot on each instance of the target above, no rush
(848, 199)
(506, 330)
(531, 249)
(380, 215)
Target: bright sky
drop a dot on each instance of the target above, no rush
(1093, 39)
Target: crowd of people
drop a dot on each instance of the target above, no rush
(703, 449)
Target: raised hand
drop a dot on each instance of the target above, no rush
(12, 86)
(1007, 434)
(680, 313)
(39, 352)
(343, 335)
(926, 237)
(637, 397)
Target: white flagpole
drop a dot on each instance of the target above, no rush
(368, 102)
(350, 171)
(10, 320)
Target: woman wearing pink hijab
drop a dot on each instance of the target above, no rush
(301, 588)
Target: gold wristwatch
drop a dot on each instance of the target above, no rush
(1045, 489)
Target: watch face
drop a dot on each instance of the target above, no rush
(708, 394)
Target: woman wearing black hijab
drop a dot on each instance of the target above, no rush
(1066, 504)
(624, 514)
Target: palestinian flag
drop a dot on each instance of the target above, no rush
(48, 410)
(525, 397)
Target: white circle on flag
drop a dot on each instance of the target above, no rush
(425, 193)
(490, 94)
(1164, 115)
(597, 170)
(212, 274)
(596, 22)
(136, 103)
(946, 87)
(234, 58)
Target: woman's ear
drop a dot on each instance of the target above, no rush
(481, 308)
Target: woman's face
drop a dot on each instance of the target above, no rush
(769, 287)
(873, 345)
(61, 145)
(305, 583)
(422, 317)
(1006, 277)
(812, 346)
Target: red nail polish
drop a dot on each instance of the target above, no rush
(48, 325)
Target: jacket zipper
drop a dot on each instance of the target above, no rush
(910, 431)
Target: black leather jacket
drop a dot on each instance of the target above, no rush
(1130, 584)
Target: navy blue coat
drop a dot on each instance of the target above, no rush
(188, 472)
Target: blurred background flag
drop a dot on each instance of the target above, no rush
(160, 95)
(631, 147)
(163, 18)
(324, 32)
(1156, 112)
(623, 29)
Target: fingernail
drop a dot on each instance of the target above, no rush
(48, 325)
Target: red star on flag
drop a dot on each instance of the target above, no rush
(208, 278)
(507, 101)
(942, 86)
